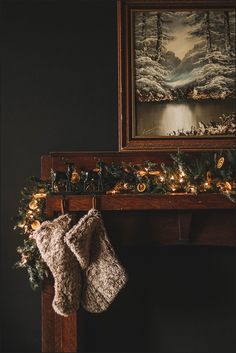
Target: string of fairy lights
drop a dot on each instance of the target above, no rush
(206, 173)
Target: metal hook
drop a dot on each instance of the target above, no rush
(63, 204)
(94, 202)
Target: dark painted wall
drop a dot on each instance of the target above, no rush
(58, 92)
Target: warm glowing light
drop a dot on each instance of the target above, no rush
(33, 204)
(172, 177)
(141, 187)
(193, 189)
(21, 224)
(24, 259)
(228, 186)
(40, 195)
(35, 225)
(154, 172)
(207, 185)
(181, 180)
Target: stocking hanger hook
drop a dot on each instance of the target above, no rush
(94, 202)
(63, 204)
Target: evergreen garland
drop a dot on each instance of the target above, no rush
(208, 172)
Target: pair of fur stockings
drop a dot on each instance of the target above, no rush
(82, 261)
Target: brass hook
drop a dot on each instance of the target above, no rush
(63, 206)
(94, 202)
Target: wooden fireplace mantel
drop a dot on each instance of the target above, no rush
(128, 202)
(174, 219)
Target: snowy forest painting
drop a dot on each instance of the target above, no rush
(183, 73)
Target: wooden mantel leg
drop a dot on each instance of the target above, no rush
(59, 334)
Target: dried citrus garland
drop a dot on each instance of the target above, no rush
(209, 172)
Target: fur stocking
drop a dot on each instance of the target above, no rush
(103, 275)
(62, 263)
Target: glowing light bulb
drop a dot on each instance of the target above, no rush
(193, 189)
(33, 204)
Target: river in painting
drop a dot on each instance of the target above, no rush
(156, 119)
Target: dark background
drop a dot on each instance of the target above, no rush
(59, 92)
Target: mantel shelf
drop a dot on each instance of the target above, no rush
(133, 221)
(126, 202)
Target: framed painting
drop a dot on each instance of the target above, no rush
(176, 68)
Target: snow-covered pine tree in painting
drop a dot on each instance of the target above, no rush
(213, 74)
(153, 62)
(185, 57)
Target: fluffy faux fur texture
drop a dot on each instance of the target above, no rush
(87, 242)
(102, 273)
(62, 263)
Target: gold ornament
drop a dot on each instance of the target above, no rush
(154, 172)
(141, 187)
(33, 204)
(208, 177)
(207, 185)
(228, 186)
(193, 189)
(141, 173)
(40, 195)
(75, 177)
(35, 225)
(220, 163)
(220, 185)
